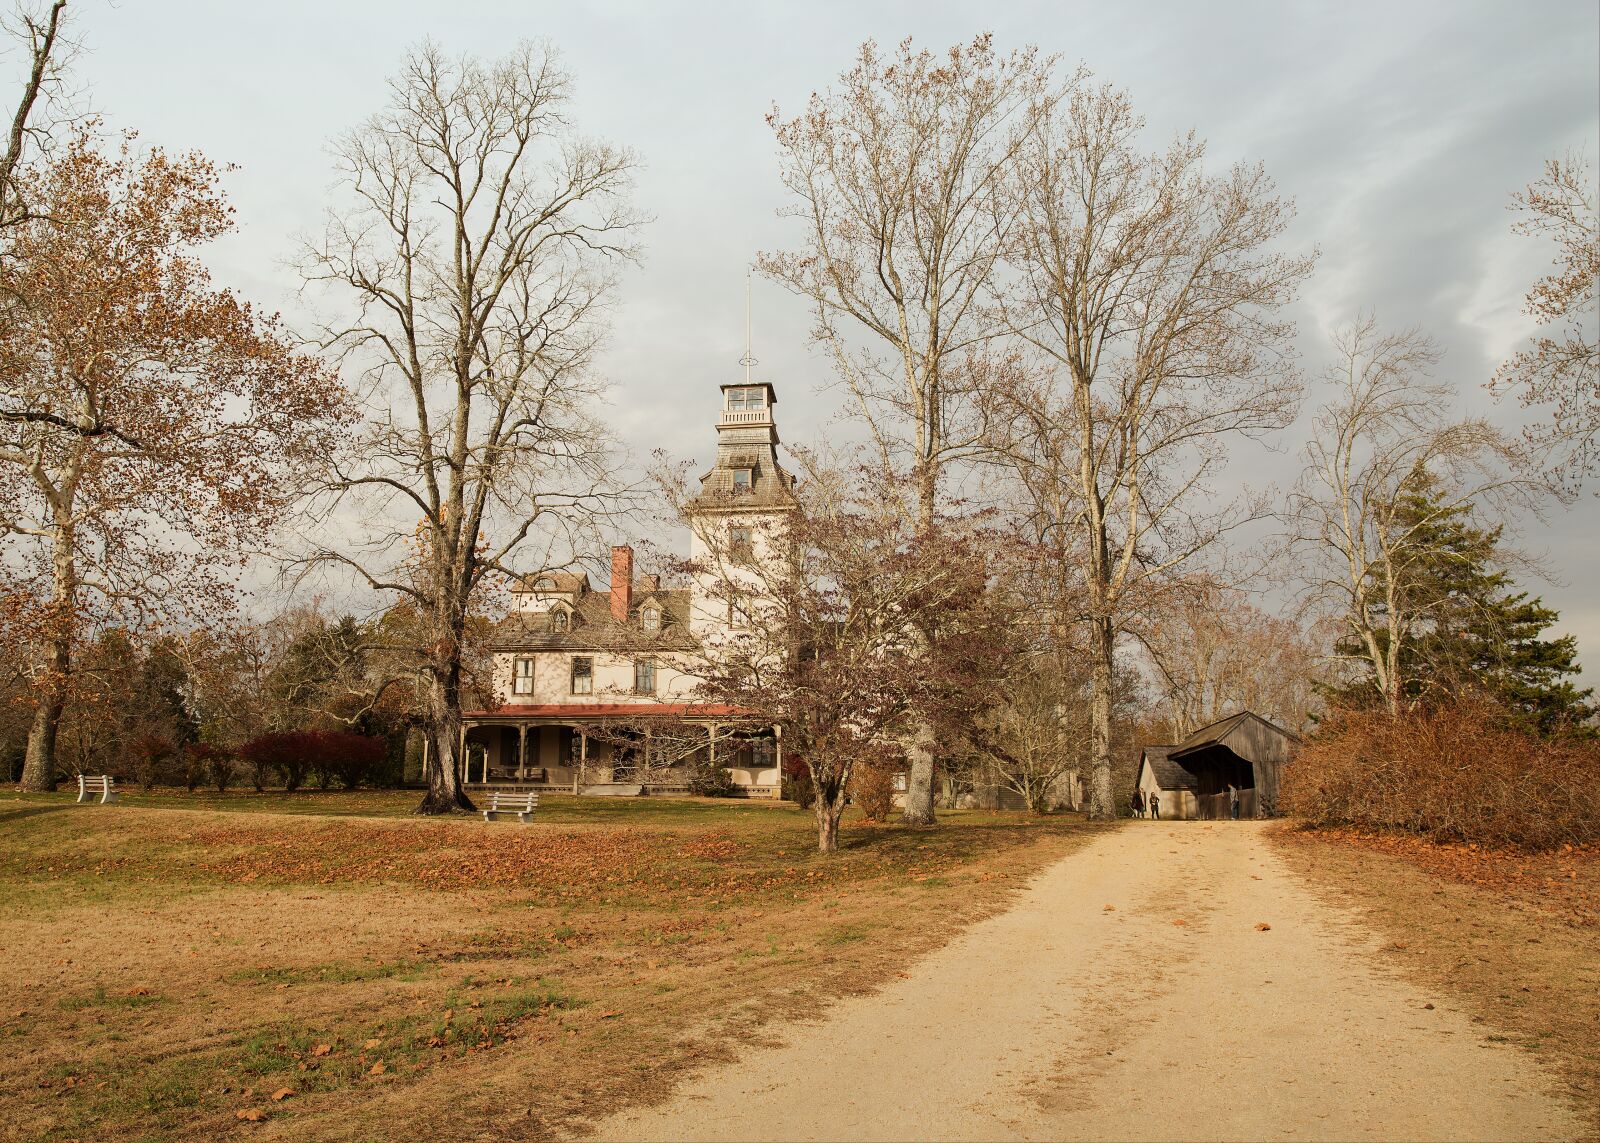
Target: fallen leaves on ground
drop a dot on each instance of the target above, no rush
(1564, 880)
(1262, 927)
(250, 1114)
(282, 1094)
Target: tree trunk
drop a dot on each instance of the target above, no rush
(39, 770)
(1101, 804)
(829, 811)
(918, 809)
(446, 792)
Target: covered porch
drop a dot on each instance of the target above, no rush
(618, 749)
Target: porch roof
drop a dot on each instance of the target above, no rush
(585, 712)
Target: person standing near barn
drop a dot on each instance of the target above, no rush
(1233, 801)
(1137, 803)
(1155, 805)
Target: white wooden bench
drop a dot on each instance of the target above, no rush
(102, 786)
(522, 805)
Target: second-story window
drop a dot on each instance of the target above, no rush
(522, 677)
(739, 542)
(644, 676)
(582, 675)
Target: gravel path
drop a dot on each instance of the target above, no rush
(1088, 1011)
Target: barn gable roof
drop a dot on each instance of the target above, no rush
(1219, 732)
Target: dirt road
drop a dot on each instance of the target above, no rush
(1132, 995)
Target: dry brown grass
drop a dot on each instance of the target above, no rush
(172, 968)
(1514, 937)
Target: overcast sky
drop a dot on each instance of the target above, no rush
(1399, 128)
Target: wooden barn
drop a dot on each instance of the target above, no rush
(1192, 777)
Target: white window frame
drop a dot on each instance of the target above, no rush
(645, 666)
(650, 618)
(587, 678)
(522, 680)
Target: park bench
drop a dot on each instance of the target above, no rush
(522, 805)
(102, 786)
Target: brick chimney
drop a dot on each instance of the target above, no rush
(621, 582)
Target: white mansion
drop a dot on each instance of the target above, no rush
(582, 676)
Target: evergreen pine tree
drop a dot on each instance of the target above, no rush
(1476, 632)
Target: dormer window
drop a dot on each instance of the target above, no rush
(740, 399)
(560, 619)
(650, 617)
(742, 479)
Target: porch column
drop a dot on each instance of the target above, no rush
(582, 760)
(712, 745)
(463, 764)
(522, 750)
(777, 757)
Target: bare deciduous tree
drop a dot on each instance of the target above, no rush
(476, 252)
(898, 174)
(1145, 296)
(1388, 428)
(1216, 653)
(40, 35)
(1561, 370)
(153, 422)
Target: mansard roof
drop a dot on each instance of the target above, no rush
(594, 628)
(559, 583)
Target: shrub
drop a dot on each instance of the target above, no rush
(797, 786)
(712, 782)
(212, 763)
(331, 754)
(872, 790)
(150, 754)
(1453, 773)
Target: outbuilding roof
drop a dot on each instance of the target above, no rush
(1217, 732)
(1169, 774)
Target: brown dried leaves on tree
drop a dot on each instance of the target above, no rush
(153, 424)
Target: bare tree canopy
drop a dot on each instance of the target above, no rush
(1144, 293)
(1388, 429)
(40, 34)
(473, 259)
(1560, 370)
(897, 174)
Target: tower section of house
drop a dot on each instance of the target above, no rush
(738, 521)
(594, 690)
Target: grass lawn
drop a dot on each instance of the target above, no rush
(1514, 937)
(328, 966)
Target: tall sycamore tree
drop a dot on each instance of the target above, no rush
(1558, 371)
(470, 260)
(897, 175)
(151, 423)
(1145, 294)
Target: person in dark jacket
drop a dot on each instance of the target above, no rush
(1137, 803)
(1155, 805)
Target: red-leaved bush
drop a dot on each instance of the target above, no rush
(1454, 773)
(351, 758)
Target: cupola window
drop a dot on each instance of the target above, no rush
(741, 399)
